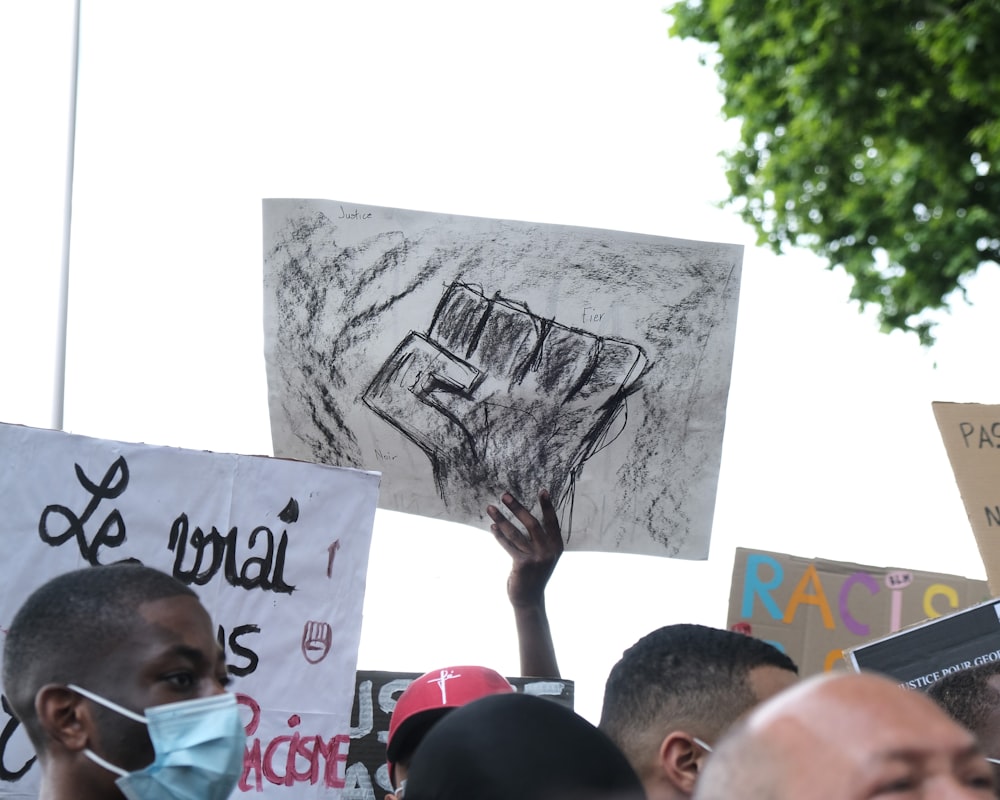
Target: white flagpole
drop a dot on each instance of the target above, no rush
(59, 398)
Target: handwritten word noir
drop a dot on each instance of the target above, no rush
(110, 533)
(212, 551)
(293, 758)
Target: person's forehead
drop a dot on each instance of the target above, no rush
(861, 719)
(841, 743)
(181, 611)
(180, 619)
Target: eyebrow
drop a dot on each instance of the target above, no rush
(194, 655)
(915, 753)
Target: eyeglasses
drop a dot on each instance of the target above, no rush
(707, 747)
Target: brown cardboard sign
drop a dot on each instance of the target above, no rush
(814, 609)
(375, 698)
(971, 434)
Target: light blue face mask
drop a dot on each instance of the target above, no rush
(198, 744)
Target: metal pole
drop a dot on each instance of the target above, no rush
(59, 391)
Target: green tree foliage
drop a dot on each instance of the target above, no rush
(870, 134)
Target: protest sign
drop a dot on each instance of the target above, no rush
(466, 357)
(813, 609)
(375, 698)
(277, 551)
(971, 434)
(921, 655)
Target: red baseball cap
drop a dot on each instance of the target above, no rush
(429, 697)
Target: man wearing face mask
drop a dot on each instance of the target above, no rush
(119, 682)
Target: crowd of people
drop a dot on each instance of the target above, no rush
(120, 684)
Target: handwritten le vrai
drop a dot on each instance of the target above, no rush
(277, 550)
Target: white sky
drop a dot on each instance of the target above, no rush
(582, 113)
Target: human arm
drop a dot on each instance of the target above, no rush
(534, 553)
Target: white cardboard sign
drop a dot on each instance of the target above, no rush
(466, 357)
(277, 551)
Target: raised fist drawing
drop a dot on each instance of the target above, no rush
(501, 399)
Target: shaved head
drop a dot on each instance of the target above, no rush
(849, 737)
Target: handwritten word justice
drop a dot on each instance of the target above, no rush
(355, 214)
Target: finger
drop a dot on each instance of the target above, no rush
(525, 517)
(513, 546)
(550, 517)
(507, 533)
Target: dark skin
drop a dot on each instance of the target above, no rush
(535, 550)
(171, 655)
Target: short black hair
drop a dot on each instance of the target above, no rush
(968, 696)
(65, 627)
(682, 675)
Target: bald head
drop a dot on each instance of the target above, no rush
(847, 737)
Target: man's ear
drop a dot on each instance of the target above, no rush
(681, 761)
(64, 716)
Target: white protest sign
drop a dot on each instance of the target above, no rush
(277, 551)
(465, 357)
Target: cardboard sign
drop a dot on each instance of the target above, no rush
(276, 550)
(920, 656)
(814, 609)
(971, 434)
(374, 700)
(467, 357)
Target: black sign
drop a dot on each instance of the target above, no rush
(374, 700)
(921, 655)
